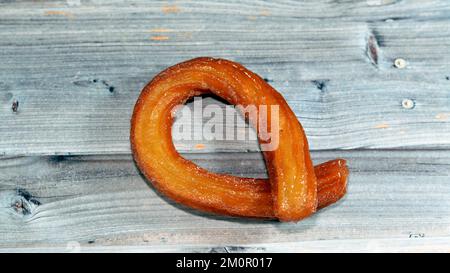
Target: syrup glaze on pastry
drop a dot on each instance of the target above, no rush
(295, 189)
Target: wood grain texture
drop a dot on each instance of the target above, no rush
(432, 245)
(71, 71)
(76, 68)
(395, 199)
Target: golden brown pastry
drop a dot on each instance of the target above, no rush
(294, 190)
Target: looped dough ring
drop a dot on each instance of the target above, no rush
(295, 189)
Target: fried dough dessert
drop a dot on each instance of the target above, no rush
(295, 188)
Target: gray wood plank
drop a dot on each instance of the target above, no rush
(431, 245)
(102, 201)
(349, 10)
(76, 70)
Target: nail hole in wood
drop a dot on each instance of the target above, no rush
(400, 63)
(15, 106)
(408, 104)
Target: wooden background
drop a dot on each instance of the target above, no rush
(71, 71)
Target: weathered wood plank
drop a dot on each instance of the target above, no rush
(76, 70)
(103, 201)
(437, 244)
(350, 10)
